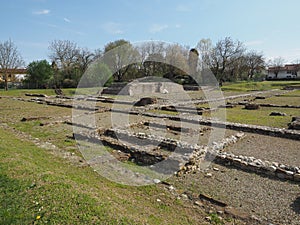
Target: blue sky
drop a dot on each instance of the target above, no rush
(270, 26)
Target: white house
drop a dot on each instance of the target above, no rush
(289, 71)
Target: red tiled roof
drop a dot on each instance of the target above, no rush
(292, 67)
(15, 71)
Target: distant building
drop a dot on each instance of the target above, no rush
(13, 75)
(289, 71)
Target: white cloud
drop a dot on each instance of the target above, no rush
(112, 28)
(42, 12)
(67, 20)
(178, 26)
(155, 28)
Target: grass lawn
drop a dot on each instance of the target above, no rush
(66, 91)
(257, 86)
(281, 100)
(290, 98)
(37, 187)
(261, 116)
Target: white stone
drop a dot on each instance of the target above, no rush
(282, 166)
(156, 181)
(171, 188)
(272, 168)
(184, 196)
(198, 203)
(289, 172)
(208, 175)
(208, 218)
(241, 157)
(237, 160)
(239, 135)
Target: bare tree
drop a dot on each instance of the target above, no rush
(255, 62)
(296, 61)
(98, 53)
(276, 63)
(225, 53)
(205, 48)
(152, 58)
(154, 65)
(84, 58)
(70, 60)
(10, 58)
(64, 53)
(120, 56)
(177, 58)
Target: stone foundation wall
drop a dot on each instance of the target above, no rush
(276, 132)
(258, 166)
(148, 88)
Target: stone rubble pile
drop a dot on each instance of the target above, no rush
(207, 153)
(270, 105)
(295, 124)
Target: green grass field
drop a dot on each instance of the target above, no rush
(257, 86)
(66, 91)
(261, 116)
(37, 187)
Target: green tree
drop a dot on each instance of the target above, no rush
(70, 61)
(154, 65)
(39, 73)
(152, 58)
(97, 75)
(120, 56)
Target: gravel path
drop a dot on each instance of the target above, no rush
(269, 148)
(268, 199)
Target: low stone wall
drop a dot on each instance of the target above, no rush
(148, 88)
(207, 153)
(191, 88)
(191, 158)
(202, 101)
(255, 165)
(64, 104)
(272, 105)
(276, 132)
(245, 163)
(149, 139)
(114, 89)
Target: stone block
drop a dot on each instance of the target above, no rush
(297, 177)
(251, 106)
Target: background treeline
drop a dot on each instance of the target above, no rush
(228, 59)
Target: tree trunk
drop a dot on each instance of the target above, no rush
(6, 82)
